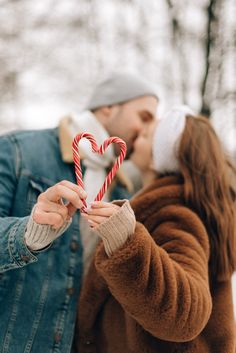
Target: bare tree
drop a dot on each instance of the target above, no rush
(210, 41)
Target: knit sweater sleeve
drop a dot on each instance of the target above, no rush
(162, 280)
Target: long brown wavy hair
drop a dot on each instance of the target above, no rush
(209, 187)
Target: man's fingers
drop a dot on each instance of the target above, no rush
(48, 206)
(71, 209)
(58, 191)
(51, 210)
(78, 189)
(50, 218)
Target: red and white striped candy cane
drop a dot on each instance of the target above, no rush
(101, 150)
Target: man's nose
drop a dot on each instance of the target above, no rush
(144, 129)
(139, 127)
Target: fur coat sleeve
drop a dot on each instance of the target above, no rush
(160, 275)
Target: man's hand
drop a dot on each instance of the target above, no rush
(50, 208)
(99, 212)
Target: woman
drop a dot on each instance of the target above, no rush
(160, 280)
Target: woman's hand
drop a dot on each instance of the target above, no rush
(50, 208)
(99, 212)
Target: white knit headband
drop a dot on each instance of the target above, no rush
(167, 137)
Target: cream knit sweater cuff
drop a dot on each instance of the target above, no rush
(117, 229)
(38, 236)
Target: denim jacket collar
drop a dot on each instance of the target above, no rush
(65, 139)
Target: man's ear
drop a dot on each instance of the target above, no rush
(103, 114)
(106, 111)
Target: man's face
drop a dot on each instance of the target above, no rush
(129, 119)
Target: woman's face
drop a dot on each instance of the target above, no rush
(142, 154)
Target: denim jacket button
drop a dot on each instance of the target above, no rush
(74, 245)
(70, 291)
(25, 258)
(57, 337)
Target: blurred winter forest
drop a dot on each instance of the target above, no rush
(53, 52)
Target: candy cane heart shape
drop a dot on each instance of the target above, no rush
(99, 150)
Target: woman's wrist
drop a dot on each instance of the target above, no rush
(117, 229)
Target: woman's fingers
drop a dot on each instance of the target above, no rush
(102, 208)
(101, 204)
(95, 219)
(106, 212)
(100, 213)
(93, 224)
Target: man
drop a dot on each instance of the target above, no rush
(41, 271)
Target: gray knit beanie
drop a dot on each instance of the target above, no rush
(120, 88)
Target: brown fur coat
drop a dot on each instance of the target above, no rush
(153, 294)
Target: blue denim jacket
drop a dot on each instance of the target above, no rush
(38, 290)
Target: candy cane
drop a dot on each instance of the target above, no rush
(101, 150)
